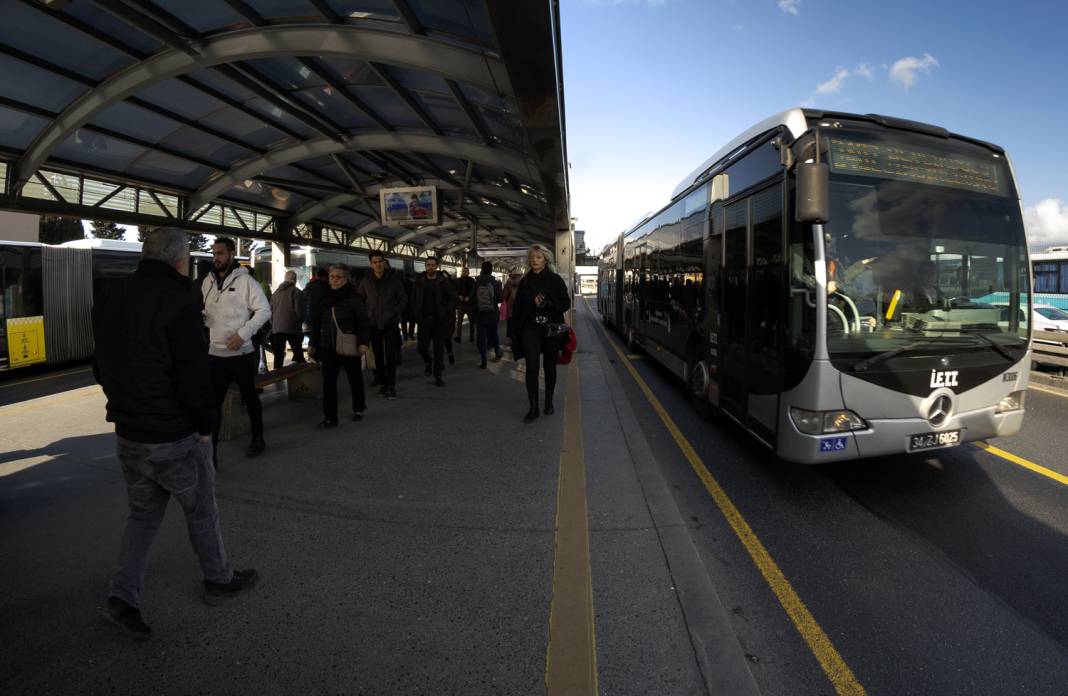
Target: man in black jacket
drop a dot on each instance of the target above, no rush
(152, 361)
(383, 293)
(433, 301)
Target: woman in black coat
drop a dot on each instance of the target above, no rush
(542, 299)
(343, 303)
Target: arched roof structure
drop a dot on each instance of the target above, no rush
(278, 119)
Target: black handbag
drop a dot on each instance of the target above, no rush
(557, 330)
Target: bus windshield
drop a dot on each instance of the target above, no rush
(925, 250)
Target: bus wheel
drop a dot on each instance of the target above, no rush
(697, 381)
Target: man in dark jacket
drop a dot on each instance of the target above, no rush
(464, 285)
(434, 301)
(313, 295)
(383, 293)
(486, 299)
(152, 361)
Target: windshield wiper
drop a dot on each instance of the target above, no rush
(866, 364)
(990, 342)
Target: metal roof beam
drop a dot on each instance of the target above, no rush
(405, 96)
(256, 83)
(420, 53)
(146, 24)
(409, 17)
(469, 110)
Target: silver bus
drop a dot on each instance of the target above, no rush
(840, 285)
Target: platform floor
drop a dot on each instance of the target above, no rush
(416, 552)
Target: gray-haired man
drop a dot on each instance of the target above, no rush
(152, 361)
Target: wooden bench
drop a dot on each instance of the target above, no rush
(303, 381)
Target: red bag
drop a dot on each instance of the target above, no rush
(564, 357)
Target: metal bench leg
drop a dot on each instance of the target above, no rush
(304, 385)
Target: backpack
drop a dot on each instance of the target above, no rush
(486, 297)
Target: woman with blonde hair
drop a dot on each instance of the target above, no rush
(541, 299)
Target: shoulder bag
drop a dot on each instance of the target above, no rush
(344, 343)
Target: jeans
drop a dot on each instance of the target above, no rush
(487, 336)
(535, 345)
(331, 364)
(240, 369)
(278, 347)
(431, 331)
(386, 343)
(154, 473)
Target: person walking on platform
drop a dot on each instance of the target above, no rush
(342, 309)
(450, 321)
(464, 285)
(511, 286)
(434, 303)
(487, 299)
(541, 299)
(287, 309)
(235, 307)
(383, 293)
(314, 292)
(152, 362)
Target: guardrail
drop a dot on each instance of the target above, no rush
(1053, 353)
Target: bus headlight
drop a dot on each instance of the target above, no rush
(820, 422)
(1012, 402)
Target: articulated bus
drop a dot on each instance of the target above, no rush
(840, 285)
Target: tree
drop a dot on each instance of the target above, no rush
(56, 229)
(245, 248)
(102, 229)
(142, 232)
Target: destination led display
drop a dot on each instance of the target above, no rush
(911, 163)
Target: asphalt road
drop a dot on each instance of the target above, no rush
(941, 575)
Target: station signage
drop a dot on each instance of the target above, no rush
(415, 205)
(25, 341)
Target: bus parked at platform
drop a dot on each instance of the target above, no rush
(829, 281)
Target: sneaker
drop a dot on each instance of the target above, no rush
(357, 416)
(327, 423)
(383, 390)
(452, 359)
(391, 394)
(482, 364)
(215, 593)
(456, 338)
(256, 447)
(497, 357)
(127, 618)
(428, 370)
(439, 382)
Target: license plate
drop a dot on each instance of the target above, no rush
(926, 441)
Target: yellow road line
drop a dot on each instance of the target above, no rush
(1020, 461)
(571, 656)
(1047, 390)
(633, 356)
(20, 382)
(819, 643)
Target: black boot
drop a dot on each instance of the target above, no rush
(549, 410)
(532, 414)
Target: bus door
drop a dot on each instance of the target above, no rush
(734, 307)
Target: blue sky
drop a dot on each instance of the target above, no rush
(654, 87)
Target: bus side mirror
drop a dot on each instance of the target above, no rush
(813, 182)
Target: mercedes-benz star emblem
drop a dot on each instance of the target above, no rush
(939, 411)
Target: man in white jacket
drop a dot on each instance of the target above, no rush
(235, 308)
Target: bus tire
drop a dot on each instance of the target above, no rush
(697, 386)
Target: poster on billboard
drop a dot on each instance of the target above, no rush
(416, 205)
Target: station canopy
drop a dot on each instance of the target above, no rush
(283, 119)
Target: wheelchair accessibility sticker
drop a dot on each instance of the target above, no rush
(833, 444)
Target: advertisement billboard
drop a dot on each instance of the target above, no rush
(417, 205)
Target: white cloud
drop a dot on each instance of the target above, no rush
(737, 27)
(905, 69)
(863, 70)
(833, 85)
(1046, 222)
(790, 6)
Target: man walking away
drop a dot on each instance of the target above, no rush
(287, 309)
(314, 292)
(434, 302)
(153, 366)
(235, 308)
(487, 299)
(464, 285)
(383, 293)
